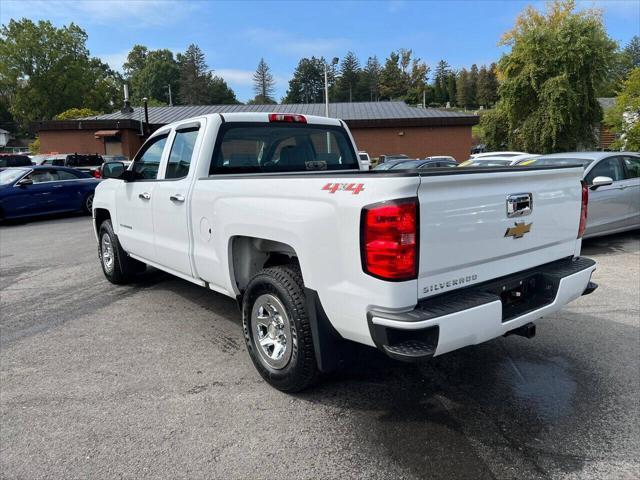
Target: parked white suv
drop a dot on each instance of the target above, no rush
(276, 211)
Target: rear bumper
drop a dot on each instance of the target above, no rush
(482, 312)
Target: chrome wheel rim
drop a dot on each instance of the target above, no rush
(106, 252)
(89, 203)
(272, 331)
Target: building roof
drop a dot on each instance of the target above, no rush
(350, 112)
(356, 114)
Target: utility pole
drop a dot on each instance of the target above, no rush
(170, 99)
(326, 85)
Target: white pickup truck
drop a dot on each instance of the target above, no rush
(274, 211)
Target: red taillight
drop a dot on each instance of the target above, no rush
(390, 240)
(287, 117)
(583, 210)
(96, 173)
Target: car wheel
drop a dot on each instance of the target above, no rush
(87, 206)
(117, 266)
(277, 329)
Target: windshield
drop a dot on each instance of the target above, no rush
(278, 147)
(406, 165)
(10, 175)
(385, 166)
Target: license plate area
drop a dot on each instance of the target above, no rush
(522, 295)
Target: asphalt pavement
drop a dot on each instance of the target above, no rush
(152, 380)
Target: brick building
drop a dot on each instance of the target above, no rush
(378, 127)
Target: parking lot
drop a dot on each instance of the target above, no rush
(152, 381)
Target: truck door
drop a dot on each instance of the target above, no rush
(171, 202)
(134, 200)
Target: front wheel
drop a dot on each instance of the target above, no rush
(117, 266)
(277, 329)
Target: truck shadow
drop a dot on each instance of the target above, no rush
(611, 244)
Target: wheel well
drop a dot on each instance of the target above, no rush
(101, 214)
(249, 255)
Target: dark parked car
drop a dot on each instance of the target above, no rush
(89, 163)
(389, 164)
(39, 190)
(11, 160)
(424, 163)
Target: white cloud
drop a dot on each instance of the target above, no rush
(293, 44)
(135, 13)
(235, 76)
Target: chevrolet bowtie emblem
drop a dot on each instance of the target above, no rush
(519, 230)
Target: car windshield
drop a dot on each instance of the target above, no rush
(557, 161)
(10, 175)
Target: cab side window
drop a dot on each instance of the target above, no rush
(609, 167)
(42, 176)
(147, 162)
(181, 153)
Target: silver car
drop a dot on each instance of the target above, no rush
(614, 188)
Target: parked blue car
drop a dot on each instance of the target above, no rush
(40, 190)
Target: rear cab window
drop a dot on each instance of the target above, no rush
(244, 147)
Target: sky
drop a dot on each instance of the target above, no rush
(235, 35)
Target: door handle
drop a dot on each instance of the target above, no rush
(144, 196)
(177, 198)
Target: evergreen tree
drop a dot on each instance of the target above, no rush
(392, 80)
(440, 82)
(220, 93)
(631, 53)
(307, 84)
(452, 97)
(371, 79)
(463, 89)
(487, 87)
(349, 75)
(264, 85)
(473, 85)
(194, 77)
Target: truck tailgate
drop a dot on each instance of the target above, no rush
(467, 237)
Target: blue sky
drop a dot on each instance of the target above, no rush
(234, 35)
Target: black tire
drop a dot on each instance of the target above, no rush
(285, 283)
(122, 268)
(87, 203)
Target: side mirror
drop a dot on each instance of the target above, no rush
(113, 170)
(600, 182)
(24, 182)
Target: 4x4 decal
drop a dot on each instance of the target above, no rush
(354, 188)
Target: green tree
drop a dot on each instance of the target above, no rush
(440, 83)
(558, 59)
(73, 113)
(452, 88)
(392, 80)
(464, 90)
(370, 79)
(473, 85)
(307, 84)
(45, 70)
(347, 82)
(220, 93)
(631, 53)
(487, 88)
(150, 72)
(263, 84)
(624, 118)
(417, 82)
(194, 77)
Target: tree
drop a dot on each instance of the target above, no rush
(417, 80)
(464, 90)
(391, 78)
(440, 83)
(220, 93)
(624, 118)
(473, 85)
(349, 76)
(371, 79)
(487, 88)
(194, 77)
(45, 70)
(452, 88)
(73, 113)
(550, 78)
(307, 84)
(263, 84)
(631, 53)
(150, 72)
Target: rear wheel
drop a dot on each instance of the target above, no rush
(277, 329)
(87, 206)
(117, 266)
